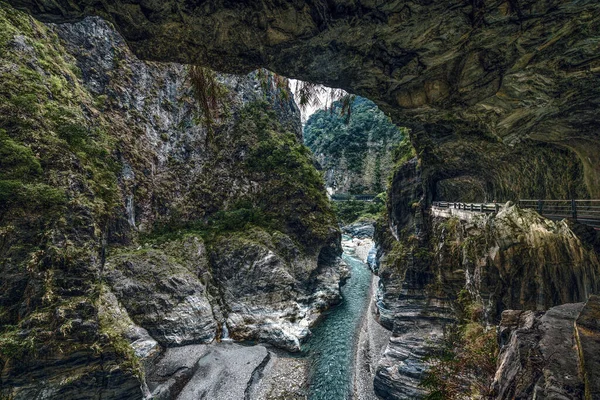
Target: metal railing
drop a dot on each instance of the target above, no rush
(583, 211)
(487, 208)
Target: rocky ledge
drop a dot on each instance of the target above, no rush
(552, 354)
(513, 260)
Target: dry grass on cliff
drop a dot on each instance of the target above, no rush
(464, 366)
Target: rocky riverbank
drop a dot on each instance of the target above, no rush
(219, 371)
(230, 370)
(372, 340)
(283, 378)
(227, 371)
(359, 248)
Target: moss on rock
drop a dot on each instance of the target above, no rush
(88, 174)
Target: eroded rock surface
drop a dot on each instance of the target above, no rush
(165, 295)
(538, 354)
(224, 371)
(543, 354)
(470, 77)
(282, 378)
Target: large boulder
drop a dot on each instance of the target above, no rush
(271, 291)
(163, 291)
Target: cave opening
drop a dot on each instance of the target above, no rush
(355, 144)
(233, 231)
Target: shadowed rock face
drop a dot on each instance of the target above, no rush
(506, 72)
(513, 260)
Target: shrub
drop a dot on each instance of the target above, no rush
(29, 196)
(351, 211)
(16, 161)
(75, 134)
(464, 363)
(14, 343)
(403, 151)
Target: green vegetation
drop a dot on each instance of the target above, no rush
(114, 325)
(15, 344)
(43, 128)
(57, 188)
(43, 331)
(289, 196)
(352, 210)
(403, 152)
(16, 161)
(294, 196)
(19, 171)
(210, 95)
(29, 197)
(241, 217)
(359, 146)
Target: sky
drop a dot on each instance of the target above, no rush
(310, 109)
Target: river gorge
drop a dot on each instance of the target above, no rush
(172, 227)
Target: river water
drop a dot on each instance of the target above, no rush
(331, 348)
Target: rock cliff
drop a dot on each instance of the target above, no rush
(513, 260)
(129, 227)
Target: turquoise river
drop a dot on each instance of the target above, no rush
(332, 346)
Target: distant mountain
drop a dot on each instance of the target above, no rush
(355, 153)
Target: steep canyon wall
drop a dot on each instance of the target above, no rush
(128, 226)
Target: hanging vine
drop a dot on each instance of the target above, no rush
(210, 95)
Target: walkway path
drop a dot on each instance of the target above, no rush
(583, 211)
